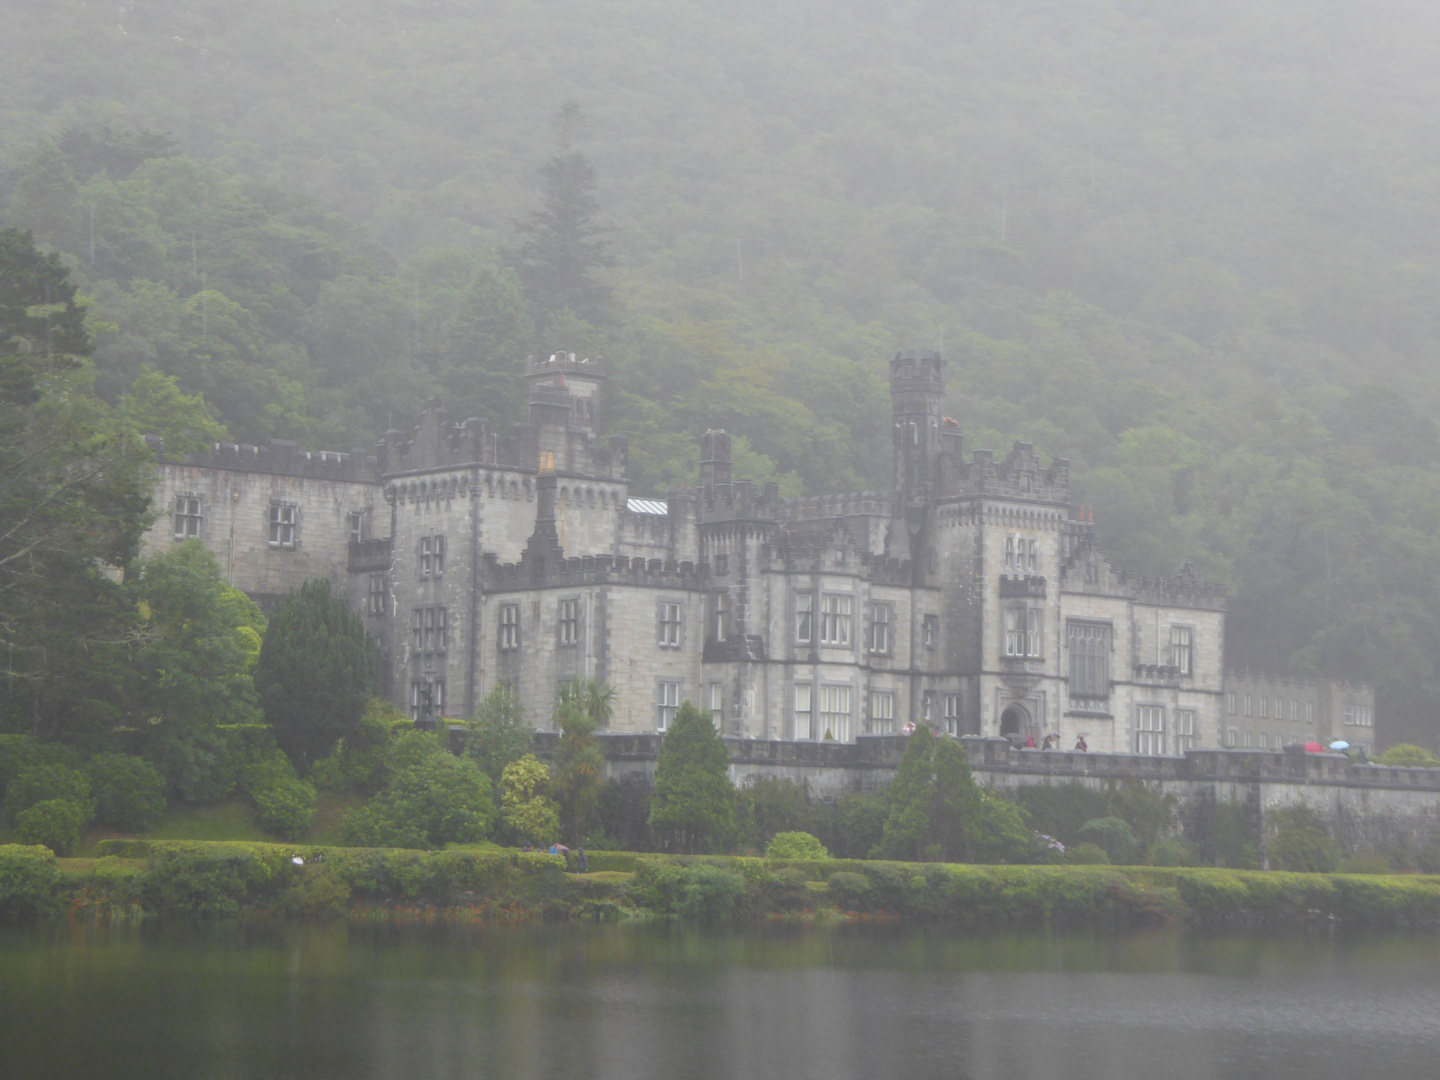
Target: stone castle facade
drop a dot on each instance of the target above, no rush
(972, 596)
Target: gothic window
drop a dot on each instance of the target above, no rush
(432, 556)
(667, 633)
(428, 629)
(667, 699)
(835, 712)
(881, 616)
(835, 619)
(188, 518)
(375, 598)
(804, 617)
(355, 526)
(509, 626)
(1150, 730)
(569, 622)
(1089, 659)
(1185, 733)
(952, 714)
(716, 704)
(1010, 552)
(720, 616)
(804, 714)
(1182, 650)
(284, 525)
(1230, 703)
(882, 712)
(930, 631)
(1023, 632)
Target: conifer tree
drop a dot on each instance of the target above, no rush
(317, 670)
(563, 245)
(693, 809)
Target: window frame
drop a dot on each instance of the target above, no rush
(803, 701)
(882, 712)
(930, 631)
(880, 628)
(437, 700)
(375, 597)
(1187, 730)
(805, 617)
(951, 706)
(283, 525)
(837, 620)
(668, 621)
(666, 689)
(355, 525)
(567, 622)
(1023, 642)
(1088, 645)
(1182, 650)
(1149, 730)
(836, 695)
(189, 514)
(508, 634)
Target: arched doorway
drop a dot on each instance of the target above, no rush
(1015, 720)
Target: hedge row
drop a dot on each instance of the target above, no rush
(224, 879)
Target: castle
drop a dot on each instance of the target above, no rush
(972, 596)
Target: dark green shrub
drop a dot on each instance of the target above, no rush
(1365, 862)
(318, 892)
(699, 891)
(785, 889)
(771, 806)
(1174, 852)
(28, 876)
(860, 822)
(201, 766)
(998, 833)
(439, 800)
(1087, 853)
(1302, 844)
(1114, 835)
(212, 878)
(850, 892)
(56, 823)
(1059, 810)
(795, 845)
(1408, 754)
(359, 762)
(285, 806)
(41, 783)
(1233, 839)
(1148, 815)
(129, 792)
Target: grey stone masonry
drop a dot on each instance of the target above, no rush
(973, 595)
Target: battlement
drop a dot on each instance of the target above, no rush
(1185, 589)
(848, 504)
(917, 373)
(279, 457)
(1021, 475)
(740, 500)
(594, 570)
(589, 367)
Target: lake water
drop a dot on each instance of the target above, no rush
(322, 1002)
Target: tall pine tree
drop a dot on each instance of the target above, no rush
(563, 245)
(694, 805)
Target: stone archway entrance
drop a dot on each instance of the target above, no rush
(1015, 720)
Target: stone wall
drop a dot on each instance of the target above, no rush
(1365, 806)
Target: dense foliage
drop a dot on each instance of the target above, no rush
(1175, 245)
(318, 669)
(694, 804)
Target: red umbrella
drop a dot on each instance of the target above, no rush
(1314, 748)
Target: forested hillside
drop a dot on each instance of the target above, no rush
(1193, 248)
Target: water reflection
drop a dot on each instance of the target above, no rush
(664, 1002)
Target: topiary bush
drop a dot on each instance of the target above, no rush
(40, 783)
(55, 823)
(795, 845)
(1408, 754)
(129, 792)
(1087, 853)
(1114, 835)
(438, 800)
